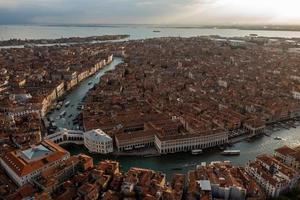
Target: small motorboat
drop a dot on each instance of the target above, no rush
(277, 138)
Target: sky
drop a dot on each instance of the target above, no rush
(191, 12)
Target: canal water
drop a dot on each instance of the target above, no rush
(76, 96)
(182, 162)
(135, 31)
(179, 162)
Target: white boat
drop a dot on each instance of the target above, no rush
(277, 138)
(128, 148)
(67, 103)
(197, 151)
(231, 152)
(63, 113)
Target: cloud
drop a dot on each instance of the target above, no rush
(149, 11)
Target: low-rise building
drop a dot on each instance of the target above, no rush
(288, 156)
(221, 180)
(25, 165)
(187, 142)
(272, 175)
(53, 177)
(134, 140)
(254, 126)
(97, 141)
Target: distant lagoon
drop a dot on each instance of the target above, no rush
(135, 31)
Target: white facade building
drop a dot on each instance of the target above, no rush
(97, 141)
(189, 142)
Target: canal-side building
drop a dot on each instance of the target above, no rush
(25, 165)
(288, 156)
(134, 140)
(169, 136)
(186, 142)
(60, 89)
(96, 141)
(254, 127)
(272, 175)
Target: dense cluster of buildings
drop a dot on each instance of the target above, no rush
(33, 79)
(172, 94)
(222, 180)
(180, 94)
(46, 171)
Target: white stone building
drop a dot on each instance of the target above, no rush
(187, 142)
(97, 141)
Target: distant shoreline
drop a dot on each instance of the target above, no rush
(70, 40)
(238, 27)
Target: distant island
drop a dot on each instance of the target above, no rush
(263, 27)
(15, 42)
(240, 27)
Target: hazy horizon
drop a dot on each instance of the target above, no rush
(154, 12)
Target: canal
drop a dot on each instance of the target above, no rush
(169, 164)
(76, 97)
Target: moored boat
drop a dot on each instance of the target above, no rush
(197, 151)
(63, 113)
(67, 103)
(231, 152)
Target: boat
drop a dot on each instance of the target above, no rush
(67, 103)
(90, 83)
(189, 165)
(231, 152)
(176, 168)
(277, 138)
(63, 113)
(197, 151)
(156, 31)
